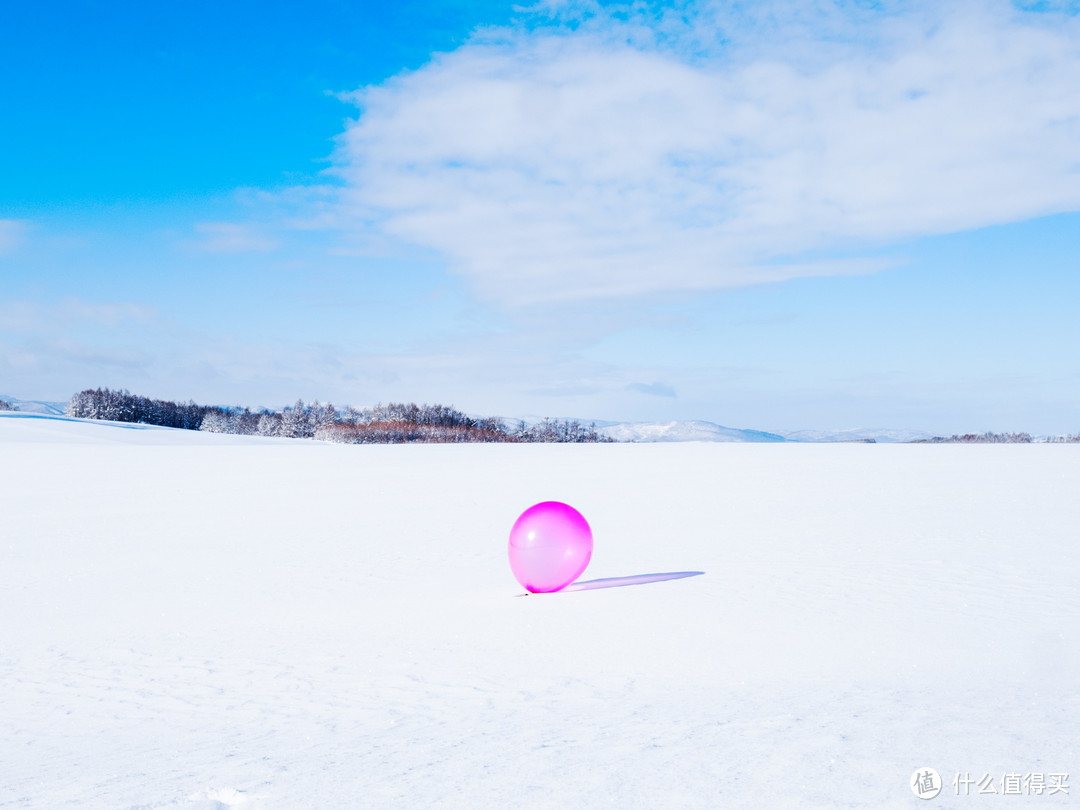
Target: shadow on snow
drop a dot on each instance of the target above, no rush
(619, 582)
(637, 579)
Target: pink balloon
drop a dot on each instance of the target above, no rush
(550, 546)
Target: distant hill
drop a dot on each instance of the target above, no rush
(881, 435)
(692, 431)
(702, 431)
(35, 406)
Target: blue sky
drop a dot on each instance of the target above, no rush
(770, 215)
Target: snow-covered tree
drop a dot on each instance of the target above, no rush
(217, 421)
(269, 424)
(297, 422)
(324, 415)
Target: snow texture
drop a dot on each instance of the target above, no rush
(203, 621)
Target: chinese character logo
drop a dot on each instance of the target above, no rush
(925, 783)
(1012, 783)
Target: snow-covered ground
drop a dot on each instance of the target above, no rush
(199, 621)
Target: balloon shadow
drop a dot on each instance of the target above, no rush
(637, 579)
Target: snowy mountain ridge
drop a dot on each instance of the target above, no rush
(688, 431)
(703, 431)
(881, 435)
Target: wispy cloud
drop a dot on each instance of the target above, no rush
(66, 351)
(46, 345)
(698, 148)
(12, 233)
(231, 237)
(35, 318)
(656, 389)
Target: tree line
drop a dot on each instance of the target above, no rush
(998, 438)
(123, 406)
(382, 424)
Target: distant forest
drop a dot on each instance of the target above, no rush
(998, 438)
(383, 424)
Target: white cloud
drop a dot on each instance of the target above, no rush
(626, 157)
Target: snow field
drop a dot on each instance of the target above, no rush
(201, 621)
